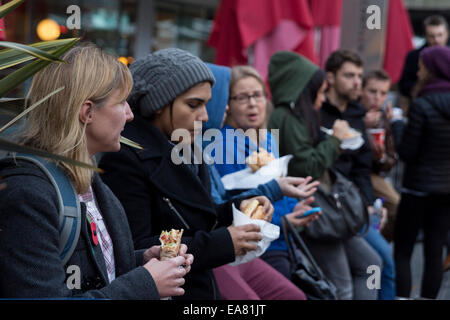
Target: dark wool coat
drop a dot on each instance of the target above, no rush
(158, 194)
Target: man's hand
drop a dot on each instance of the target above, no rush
(378, 149)
(372, 118)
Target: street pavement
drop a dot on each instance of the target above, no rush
(416, 271)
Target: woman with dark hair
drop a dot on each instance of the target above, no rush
(425, 149)
(303, 98)
(160, 192)
(298, 92)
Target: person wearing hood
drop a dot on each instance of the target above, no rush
(298, 92)
(425, 150)
(255, 279)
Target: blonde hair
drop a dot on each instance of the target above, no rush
(241, 72)
(88, 74)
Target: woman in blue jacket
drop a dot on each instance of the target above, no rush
(237, 146)
(255, 279)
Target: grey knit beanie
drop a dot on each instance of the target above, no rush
(164, 75)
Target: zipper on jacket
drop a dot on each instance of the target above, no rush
(169, 203)
(337, 201)
(215, 225)
(213, 284)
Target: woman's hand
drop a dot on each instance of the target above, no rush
(297, 187)
(189, 257)
(244, 238)
(295, 217)
(340, 128)
(168, 275)
(155, 251)
(267, 206)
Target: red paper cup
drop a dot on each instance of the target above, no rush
(378, 135)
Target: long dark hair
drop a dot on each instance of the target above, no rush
(304, 107)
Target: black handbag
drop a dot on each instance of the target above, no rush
(306, 274)
(344, 211)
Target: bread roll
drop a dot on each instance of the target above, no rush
(248, 210)
(258, 159)
(258, 213)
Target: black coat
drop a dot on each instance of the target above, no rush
(356, 165)
(425, 145)
(30, 266)
(159, 195)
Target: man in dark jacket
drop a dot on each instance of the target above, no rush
(344, 75)
(436, 33)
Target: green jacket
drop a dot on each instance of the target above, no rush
(295, 140)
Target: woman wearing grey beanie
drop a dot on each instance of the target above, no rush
(171, 89)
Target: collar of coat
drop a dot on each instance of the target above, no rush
(354, 109)
(174, 181)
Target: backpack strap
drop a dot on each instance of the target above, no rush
(68, 205)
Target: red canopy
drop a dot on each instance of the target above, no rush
(398, 39)
(2, 28)
(238, 24)
(326, 12)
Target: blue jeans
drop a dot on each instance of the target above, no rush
(382, 247)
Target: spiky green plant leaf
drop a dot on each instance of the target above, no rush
(17, 77)
(12, 57)
(31, 108)
(35, 52)
(130, 143)
(7, 7)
